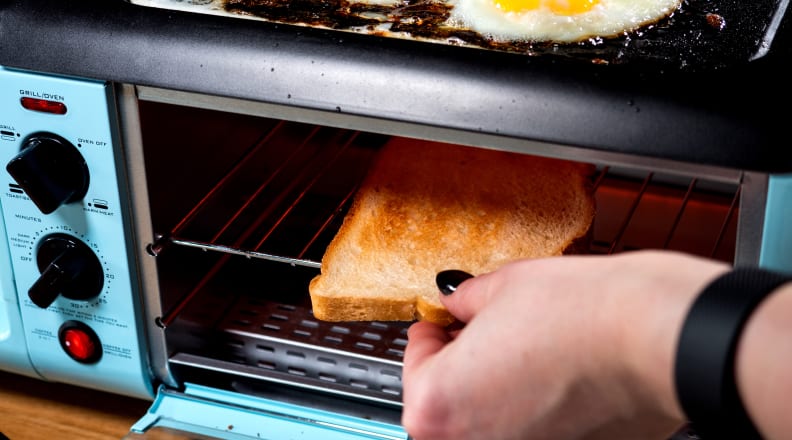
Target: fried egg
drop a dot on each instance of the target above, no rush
(562, 21)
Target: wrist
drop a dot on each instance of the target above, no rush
(652, 315)
(762, 363)
(707, 356)
(649, 354)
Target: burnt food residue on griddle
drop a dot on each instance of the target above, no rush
(698, 34)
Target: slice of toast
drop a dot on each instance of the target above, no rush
(426, 207)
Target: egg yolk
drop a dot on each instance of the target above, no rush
(560, 7)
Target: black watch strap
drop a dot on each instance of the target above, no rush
(704, 370)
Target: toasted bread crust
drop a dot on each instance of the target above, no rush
(355, 308)
(426, 207)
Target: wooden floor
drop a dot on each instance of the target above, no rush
(31, 409)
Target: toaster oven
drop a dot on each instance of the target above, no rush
(175, 169)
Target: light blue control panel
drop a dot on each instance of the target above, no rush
(777, 236)
(67, 235)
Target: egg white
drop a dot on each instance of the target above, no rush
(607, 18)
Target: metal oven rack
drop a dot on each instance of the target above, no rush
(663, 207)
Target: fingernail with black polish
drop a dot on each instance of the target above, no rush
(448, 280)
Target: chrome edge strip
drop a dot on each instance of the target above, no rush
(141, 222)
(750, 224)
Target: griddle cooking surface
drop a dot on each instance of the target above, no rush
(701, 33)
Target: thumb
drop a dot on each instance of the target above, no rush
(463, 294)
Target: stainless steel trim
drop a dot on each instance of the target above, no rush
(141, 220)
(750, 226)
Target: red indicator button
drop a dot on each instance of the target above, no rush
(44, 106)
(80, 342)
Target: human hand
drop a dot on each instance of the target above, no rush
(574, 347)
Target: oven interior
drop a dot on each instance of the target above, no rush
(243, 207)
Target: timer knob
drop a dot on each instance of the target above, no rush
(50, 170)
(68, 267)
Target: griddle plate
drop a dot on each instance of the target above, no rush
(702, 33)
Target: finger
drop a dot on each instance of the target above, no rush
(422, 357)
(469, 297)
(424, 340)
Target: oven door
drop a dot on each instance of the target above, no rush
(201, 412)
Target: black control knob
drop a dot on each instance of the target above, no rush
(50, 170)
(68, 267)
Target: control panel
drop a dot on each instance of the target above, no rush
(67, 232)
